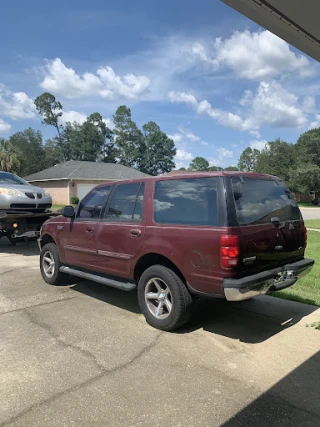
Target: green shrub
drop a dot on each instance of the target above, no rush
(74, 200)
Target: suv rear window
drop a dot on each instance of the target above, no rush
(258, 200)
(190, 201)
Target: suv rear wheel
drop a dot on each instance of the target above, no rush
(50, 264)
(163, 298)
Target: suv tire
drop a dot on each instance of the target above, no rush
(50, 264)
(164, 299)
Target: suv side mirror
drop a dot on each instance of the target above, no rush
(68, 212)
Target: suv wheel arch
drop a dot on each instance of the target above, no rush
(150, 259)
(47, 238)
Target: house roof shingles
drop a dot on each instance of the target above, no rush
(86, 170)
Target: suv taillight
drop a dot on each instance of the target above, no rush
(229, 251)
(305, 237)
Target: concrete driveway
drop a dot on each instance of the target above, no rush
(84, 356)
(310, 213)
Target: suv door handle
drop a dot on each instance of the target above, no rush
(135, 233)
(89, 229)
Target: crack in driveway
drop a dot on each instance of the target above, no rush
(103, 371)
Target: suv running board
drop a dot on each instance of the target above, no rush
(124, 286)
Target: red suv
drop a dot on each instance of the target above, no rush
(231, 235)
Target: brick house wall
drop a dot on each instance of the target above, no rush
(62, 190)
(303, 198)
(58, 190)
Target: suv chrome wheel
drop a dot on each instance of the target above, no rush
(164, 298)
(48, 264)
(158, 298)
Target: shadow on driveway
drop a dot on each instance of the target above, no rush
(293, 401)
(21, 248)
(238, 321)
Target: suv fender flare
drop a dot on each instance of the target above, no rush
(48, 238)
(148, 259)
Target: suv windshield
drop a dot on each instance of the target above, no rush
(258, 200)
(9, 178)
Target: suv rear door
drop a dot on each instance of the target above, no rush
(271, 227)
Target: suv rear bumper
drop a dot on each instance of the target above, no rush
(267, 281)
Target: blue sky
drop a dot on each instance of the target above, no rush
(212, 79)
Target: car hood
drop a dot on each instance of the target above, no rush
(23, 188)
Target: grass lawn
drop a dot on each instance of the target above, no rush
(313, 223)
(57, 207)
(307, 289)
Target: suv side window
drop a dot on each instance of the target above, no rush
(191, 201)
(126, 203)
(92, 204)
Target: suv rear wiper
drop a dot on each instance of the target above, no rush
(275, 221)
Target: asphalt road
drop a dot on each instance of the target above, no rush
(310, 213)
(83, 355)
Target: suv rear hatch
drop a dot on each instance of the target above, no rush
(271, 231)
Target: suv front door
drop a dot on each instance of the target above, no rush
(121, 231)
(79, 238)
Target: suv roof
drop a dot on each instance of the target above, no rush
(188, 175)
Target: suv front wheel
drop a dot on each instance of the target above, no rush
(50, 264)
(163, 298)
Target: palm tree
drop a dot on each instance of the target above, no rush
(9, 162)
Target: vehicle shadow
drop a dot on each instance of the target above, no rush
(251, 322)
(21, 248)
(293, 401)
(125, 300)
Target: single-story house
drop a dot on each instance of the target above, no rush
(76, 178)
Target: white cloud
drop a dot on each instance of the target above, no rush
(176, 137)
(105, 83)
(181, 165)
(274, 105)
(256, 56)
(183, 98)
(76, 116)
(315, 123)
(16, 105)
(189, 135)
(259, 145)
(271, 104)
(109, 123)
(214, 162)
(247, 97)
(180, 138)
(224, 153)
(309, 104)
(73, 116)
(182, 155)
(4, 126)
(204, 107)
